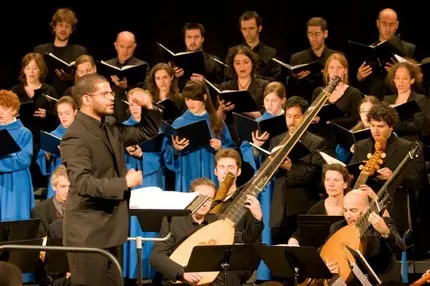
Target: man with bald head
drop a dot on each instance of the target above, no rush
(382, 239)
(373, 82)
(125, 45)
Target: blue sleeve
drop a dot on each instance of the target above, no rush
(226, 141)
(248, 156)
(171, 157)
(19, 160)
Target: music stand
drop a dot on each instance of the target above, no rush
(223, 258)
(150, 221)
(19, 229)
(294, 262)
(314, 229)
(362, 270)
(26, 261)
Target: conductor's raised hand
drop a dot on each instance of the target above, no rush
(180, 144)
(133, 178)
(142, 99)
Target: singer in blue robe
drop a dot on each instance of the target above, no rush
(265, 198)
(16, 189)
(152, 166)
(197, 163)
(47, 167)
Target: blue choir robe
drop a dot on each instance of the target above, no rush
(16, 189)
(152, 166)
(197, 163)
(48, 167)
(265, 198)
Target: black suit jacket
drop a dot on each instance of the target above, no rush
(70, 54)
(297, 189)
(96, 211)
(47, 213)
(380, 252)
(396, 149)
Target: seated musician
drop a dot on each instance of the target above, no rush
(51, 209)
(181, 228)
(50, 212)
(383, 119)
(382, 238)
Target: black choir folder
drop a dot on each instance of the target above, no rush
(9, 145)
(190, 62)
(312, 67)
(299, 151)
(376, 55)
(242, 99)
(153, 145)
(133, 73)
(329, 112)
(53, 62)
(407, 110)
(49, 142)
(170, 110)
(346, 137)
(197, 133)
(245, 126)
(27, 108)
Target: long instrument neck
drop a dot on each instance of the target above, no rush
(385, 194)
(237, 209)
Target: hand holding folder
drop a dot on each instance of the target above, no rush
(8, 144)
(197, 133)
(55, 63)
(312, 67)
(245, 126)
(190, 62)
(298, 152)
(49, 142)
(242, 99)
(346, 137)
(133, 73)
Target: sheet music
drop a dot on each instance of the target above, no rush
(330, 160)
(156, 198)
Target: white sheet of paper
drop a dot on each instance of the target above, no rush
(156, 198)
(330, 160)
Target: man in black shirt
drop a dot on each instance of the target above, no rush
(373, 81)
(194, 37)
(63, 24)
(251, 25)
(304, 82)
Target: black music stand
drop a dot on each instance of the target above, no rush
(362, 270)
(293, 262)
(26, 261)
(314, 229)
(150, 221)
(223, 258)
(19, 230)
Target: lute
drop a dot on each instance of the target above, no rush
(353, 235)
(221, 232)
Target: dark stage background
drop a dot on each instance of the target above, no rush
(24, 26)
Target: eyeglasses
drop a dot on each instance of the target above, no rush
(105, 94)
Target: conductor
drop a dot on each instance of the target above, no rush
(92, 149)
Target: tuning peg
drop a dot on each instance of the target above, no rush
(380, 161)
(377, 167)
(383, 155)
(369, 155)
(360, 167)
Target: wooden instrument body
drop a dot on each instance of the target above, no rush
(220, 232)
(334, 249)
